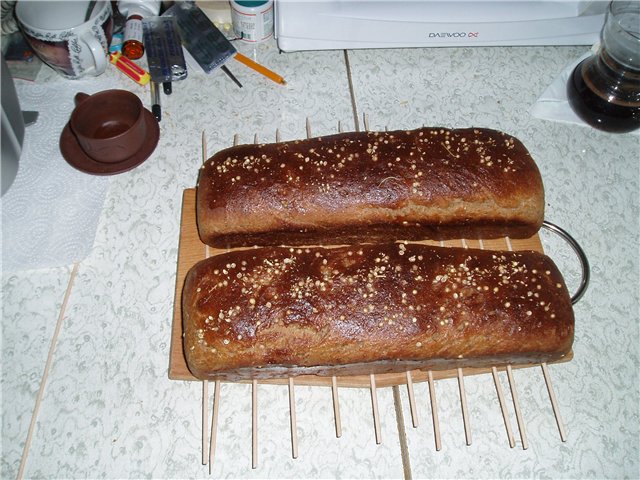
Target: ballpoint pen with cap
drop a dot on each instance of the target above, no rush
(156, 109)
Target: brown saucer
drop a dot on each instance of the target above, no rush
(77, 158)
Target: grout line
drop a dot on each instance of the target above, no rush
(352, 92)
(45, 374)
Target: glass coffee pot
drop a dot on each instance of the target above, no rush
(604, 89)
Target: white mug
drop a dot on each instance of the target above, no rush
(71, 37)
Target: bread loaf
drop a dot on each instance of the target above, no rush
(277, 312)
(375, 186)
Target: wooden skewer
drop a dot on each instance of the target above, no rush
(308, 127)
(402, 434)
(554, 402)
(496, 380)
(334, 379)
(204, 147)
(205, 419)
(503, 407)
(292, 416)
(254, 424)
(292, 396)
(374, 406)
(516, 406)
(463, 401)
(547, 380)
(412, 400)
(509, 244)
(336, 406)
(45, 373)
(205, 384)
(205, 390)
(207, 251)
(214, 423)
(434, 411)
(463, 395)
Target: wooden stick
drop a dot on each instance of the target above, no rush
(554, 402)
(412, 400)
(292, 416)
(334, 380)
(214, 423)
(374, 406)
(503, 407)
(496, 381)
(402, 434)
(516, 406)
(434, 411)
(204, 148)
(45, 374)
(205, 419)
(254, 424)
(277, 135)
(207, 250)
(336, 406)
(509, 244)
(463, 401)
(308, 127)
(205, 384)
(463, 396)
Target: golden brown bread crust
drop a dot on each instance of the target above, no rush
(377, 186)
(277, 311)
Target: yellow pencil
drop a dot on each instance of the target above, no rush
(260, 69)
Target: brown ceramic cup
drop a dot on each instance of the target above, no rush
(110, 125)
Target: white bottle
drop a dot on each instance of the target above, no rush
(252, 19)
(134, 11)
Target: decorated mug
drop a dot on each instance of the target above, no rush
(71, 37)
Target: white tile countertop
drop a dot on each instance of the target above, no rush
(85, 344)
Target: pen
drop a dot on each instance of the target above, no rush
(166, 86)
(260, 69)
(155, 101)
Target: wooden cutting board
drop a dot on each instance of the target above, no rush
(191, 250)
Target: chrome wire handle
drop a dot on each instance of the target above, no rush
(584, 262)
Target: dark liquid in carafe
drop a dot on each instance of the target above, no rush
(597, 111)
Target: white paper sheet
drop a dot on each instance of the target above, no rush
(553, 104)
(50, 213)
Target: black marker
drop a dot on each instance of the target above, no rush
(230, 75)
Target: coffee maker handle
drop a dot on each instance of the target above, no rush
(97, 51)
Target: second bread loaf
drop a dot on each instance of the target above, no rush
(432, 183)
(275, 312)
